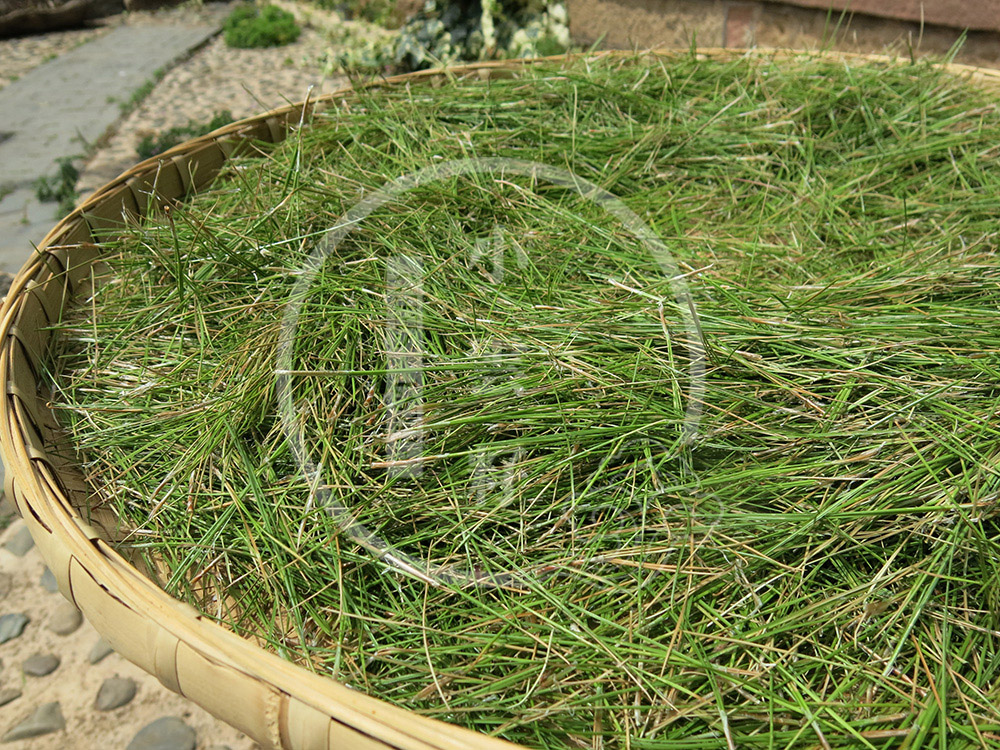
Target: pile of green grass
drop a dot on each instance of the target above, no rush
(249, 27)
(516, 505)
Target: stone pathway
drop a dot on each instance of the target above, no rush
(65, 106)
(22, 54)
(216, 78)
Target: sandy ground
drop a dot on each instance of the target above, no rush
(75, 682)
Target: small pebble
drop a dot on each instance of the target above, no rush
(46, 719)
(114, 693)
(168, 733)
(6, 583)
(20, 542)
(40, 665)
(100, 649)
(65, 620)
(11, 626)
(9, 694)
(48, 581)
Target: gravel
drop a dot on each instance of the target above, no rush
(39, 665)
(115, 692)
(46, 719)
(100, 650)
(65, 620)
(12, 625)
(20, 542)
(168, 733)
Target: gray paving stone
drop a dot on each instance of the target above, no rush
(39, 665)
(14, 203)
(46, 719)
(168, 733)
(12, 625)
(114, 693)
(59, 108)
(18, 242)
(19, 542)
(48, 581)
(9, 694)
(23, 207)
(24, 221)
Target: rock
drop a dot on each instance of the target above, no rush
(100, 649)
(20, 542)
(114, 693)
(7, 509)
(47, 718)
(6, 583)
(168, 733)
(48, 581)
(39, 665)
(11, 626)
(65, 620)
(9, 694)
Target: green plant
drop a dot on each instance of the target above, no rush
(354, 53)
(818, 567)
(380, 12)
(61, 187)
(136, 97)
(270, 26)
(151, 145)
(446, 31)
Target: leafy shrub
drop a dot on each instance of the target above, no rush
(444, 31)
(381, 12)
(248, 27)
(153, 145)
(61, 188)
(356, 53)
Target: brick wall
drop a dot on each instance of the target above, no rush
(971, 14)
(801, 24)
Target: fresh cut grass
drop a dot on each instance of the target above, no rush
(499, 473)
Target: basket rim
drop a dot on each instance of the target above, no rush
(284, 705)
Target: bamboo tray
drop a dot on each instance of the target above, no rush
(280, 705)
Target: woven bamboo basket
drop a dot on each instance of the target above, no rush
(280, 705)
